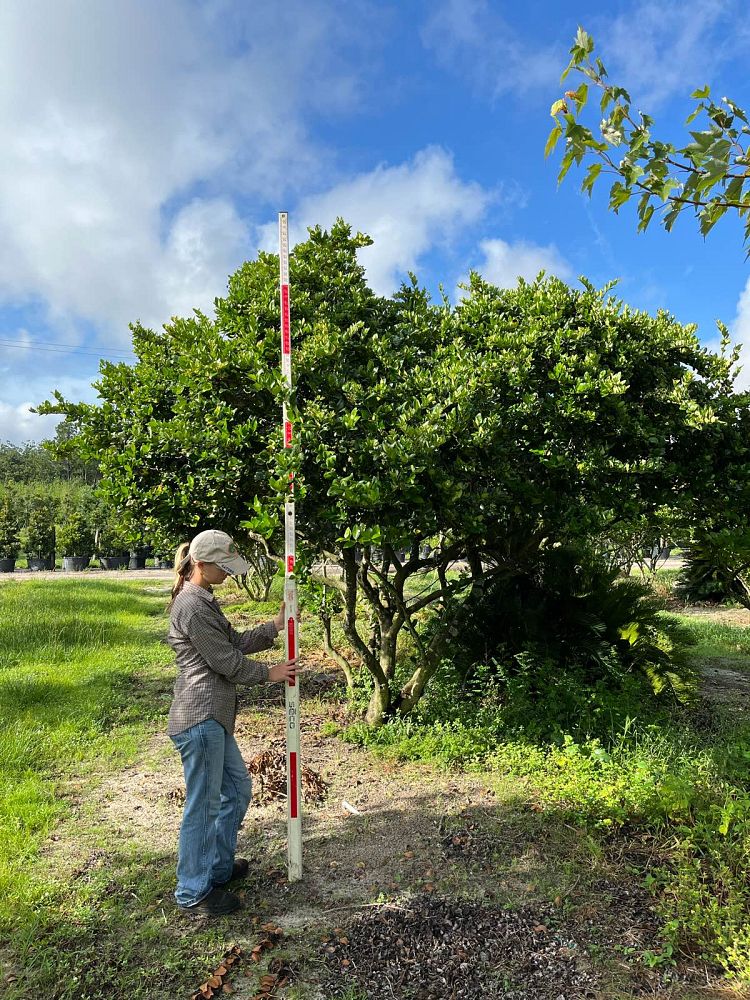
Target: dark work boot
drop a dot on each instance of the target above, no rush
(216, 904)
(239, 870)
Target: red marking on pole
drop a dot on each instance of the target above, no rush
(285, 334)
(293, 810)
(287, 433)
(290, 564)
(291, 645)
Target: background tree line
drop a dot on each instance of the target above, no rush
(38, 463)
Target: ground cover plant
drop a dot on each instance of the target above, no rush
(616, 857)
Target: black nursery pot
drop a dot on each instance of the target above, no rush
(37, 563)
(113, 562)
(76, 564)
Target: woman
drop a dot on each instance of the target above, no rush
(211, 662)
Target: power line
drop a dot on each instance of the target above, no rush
(64, 349)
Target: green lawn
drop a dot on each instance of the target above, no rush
(82, 681)
(85, 682)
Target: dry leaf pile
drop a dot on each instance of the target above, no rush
(279, 971)
(268, 769)
(441, 949)
(272, 935)
(176, 796)
(279, 975)
(216, 985)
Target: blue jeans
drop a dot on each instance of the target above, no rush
(218, 793)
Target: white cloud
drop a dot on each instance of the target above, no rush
(470, 38)
(407, 209)
(504, 263)
(740, 330)
(120, 122)
(205, 243)
(657, 50)
(19, 425)
(44, 372)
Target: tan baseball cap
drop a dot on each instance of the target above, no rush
(218, 548)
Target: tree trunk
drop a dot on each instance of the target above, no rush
(411, 692)
(380, 703)
(335, 655)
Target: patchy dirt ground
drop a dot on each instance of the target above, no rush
(739, 617)
(452, 880)
(725, 684)
(426, 884)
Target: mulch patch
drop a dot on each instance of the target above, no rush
(469, 844)
(268, 769)
(433, 948)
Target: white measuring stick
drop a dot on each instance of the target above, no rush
(293, 765)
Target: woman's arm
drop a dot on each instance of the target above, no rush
(261, 637)
(210, 641)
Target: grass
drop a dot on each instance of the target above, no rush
(717, 639)
(82, 682)
(85, 683)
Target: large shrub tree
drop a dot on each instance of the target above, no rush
(515, 420)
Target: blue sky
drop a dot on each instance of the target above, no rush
(147, 148)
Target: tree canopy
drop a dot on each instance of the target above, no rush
(427, 433)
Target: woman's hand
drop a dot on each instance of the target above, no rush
(280, 617)
(284, 671)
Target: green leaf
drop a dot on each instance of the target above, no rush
(567, 163)
(618, 195)
(583, 41)
(701, 93)
(552, 140)
(709, 216)
(591, 175)
(671, 217)
(581, 96)
(607, 98)
(645, 218)
(733, 190)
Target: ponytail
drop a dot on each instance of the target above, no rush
(183, 569)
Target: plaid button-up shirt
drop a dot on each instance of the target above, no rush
(211, 660)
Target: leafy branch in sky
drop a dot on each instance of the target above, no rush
(710, 174)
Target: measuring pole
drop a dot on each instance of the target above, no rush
(293, 766)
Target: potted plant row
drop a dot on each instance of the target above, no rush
(38, 534)
(75, 541)
(10, 541)
(112, 545)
